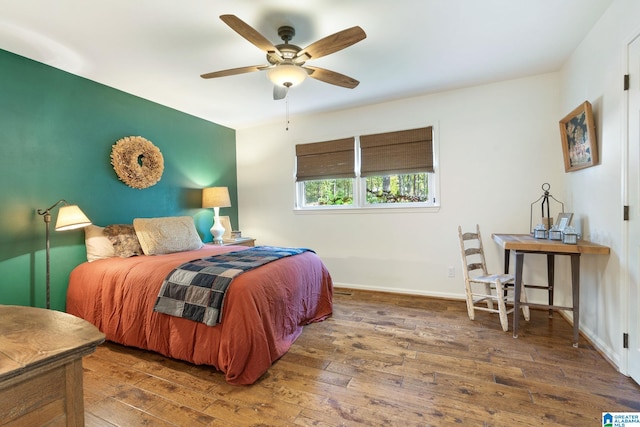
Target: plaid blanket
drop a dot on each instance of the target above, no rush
(196, 289)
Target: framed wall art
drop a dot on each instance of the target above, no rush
(579, 139)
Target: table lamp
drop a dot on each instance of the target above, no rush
(70, 217)
(216, 198)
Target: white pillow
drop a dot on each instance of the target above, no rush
(167, 235)
(98, 245)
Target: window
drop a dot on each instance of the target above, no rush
(328, 192)
(325, 171)
(394, 169)
(404, 188)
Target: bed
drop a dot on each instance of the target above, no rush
(264, 312)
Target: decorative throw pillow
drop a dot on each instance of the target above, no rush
(124, 240)
(98, 244)
(167, 235)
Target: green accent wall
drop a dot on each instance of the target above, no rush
(56, 134)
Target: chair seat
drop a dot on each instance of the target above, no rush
(491, 278)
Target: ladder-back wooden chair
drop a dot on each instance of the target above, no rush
(482, 288)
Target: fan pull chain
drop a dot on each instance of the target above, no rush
(286, 100)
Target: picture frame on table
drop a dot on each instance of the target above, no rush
(578, 134)
(226, 223)
(564, 219)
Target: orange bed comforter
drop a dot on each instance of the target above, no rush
(265, 309)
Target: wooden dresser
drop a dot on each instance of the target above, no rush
(41, 366)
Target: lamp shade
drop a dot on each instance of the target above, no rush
(216, 197)
(286, 75)
(70, 217)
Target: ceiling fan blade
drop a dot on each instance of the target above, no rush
(249, 33)
(333, 43)
(332, 77)
(279, 92)
(232, 71)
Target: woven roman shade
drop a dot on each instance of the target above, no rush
(325, 160)
(402, 152)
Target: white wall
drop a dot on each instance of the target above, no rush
(594, 73)
(498, 143)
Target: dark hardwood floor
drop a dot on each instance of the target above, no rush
(381, 360)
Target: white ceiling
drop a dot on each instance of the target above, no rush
(157, 49)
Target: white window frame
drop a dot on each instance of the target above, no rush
(359, 189)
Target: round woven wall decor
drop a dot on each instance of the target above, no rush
(137, 162)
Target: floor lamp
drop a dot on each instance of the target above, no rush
(216, 198)
(69, 217)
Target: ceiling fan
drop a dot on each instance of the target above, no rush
(286, 62)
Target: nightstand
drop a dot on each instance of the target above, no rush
(242, 241)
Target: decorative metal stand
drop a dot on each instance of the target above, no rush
(546, 218)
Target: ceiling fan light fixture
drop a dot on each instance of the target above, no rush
(286, 75)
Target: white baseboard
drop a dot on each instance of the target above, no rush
(446, 295)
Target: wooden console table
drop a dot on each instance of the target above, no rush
(41, 366)
(523, 244)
